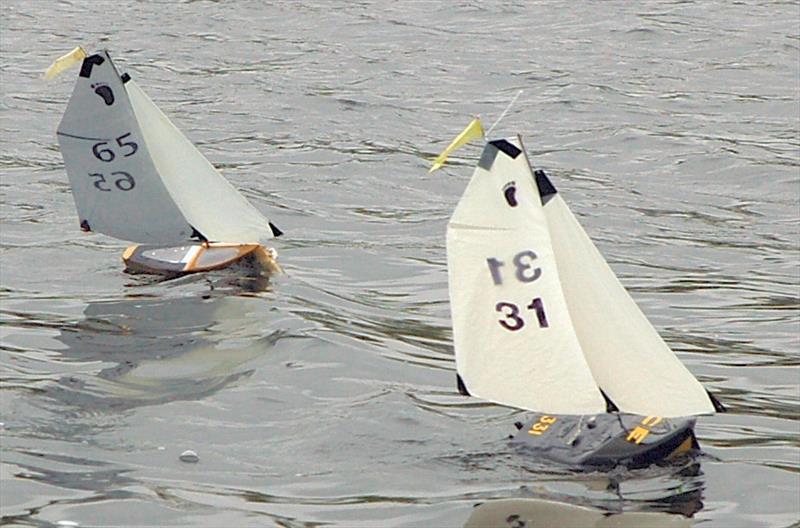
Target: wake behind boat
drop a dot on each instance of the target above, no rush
(136, 177)
(541, 323)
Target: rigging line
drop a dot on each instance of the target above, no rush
(514, 100)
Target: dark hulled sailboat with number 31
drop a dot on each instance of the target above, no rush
(541, 323)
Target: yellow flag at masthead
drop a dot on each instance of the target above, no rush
(473, 131)
(64, 62)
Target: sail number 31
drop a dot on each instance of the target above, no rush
(523, 264)
(524, 271)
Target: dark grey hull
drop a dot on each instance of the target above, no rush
(606, 440)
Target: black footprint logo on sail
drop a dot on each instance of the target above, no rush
(105, 92)
(510, 192)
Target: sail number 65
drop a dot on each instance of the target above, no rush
(102, 151)
(122, 181)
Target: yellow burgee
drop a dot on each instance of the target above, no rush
(64, 62)
(473, 131)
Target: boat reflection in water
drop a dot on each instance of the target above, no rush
(662, 495)
(161, 349)
(539, 512)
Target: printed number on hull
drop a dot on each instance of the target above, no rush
(542, 425)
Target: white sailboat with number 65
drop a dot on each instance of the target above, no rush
(136, 177)
(541, 323)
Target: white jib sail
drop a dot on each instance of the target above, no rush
(514, 341)
(116, 187)
(207, 200)
(628, 358)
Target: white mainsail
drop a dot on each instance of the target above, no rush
(595, 337)
(514, 340)
(136, 177)
(116, 186)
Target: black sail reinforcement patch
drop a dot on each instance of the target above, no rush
(506, 148)
(462, 389)
(546, 187)
(491, 150)
(197, 235)
(89, 63)
(718, 406)
(611, 407)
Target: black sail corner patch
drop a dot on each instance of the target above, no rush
(545, 186)
(90, 62)
(275, 231)
(718, 406)
(506, 148)
(462, 389)
(197, 235)
(611, 407)
(491, 150)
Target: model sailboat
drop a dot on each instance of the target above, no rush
(541, 323)
(136, 177)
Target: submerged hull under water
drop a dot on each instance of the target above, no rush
(604, 441)
(192, 258)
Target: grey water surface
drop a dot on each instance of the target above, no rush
(326, 396)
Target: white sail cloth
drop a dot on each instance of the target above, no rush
(136, 177)
(629, 360)
(500, 260)
(540, 321)
(206, 199)
(117, 188)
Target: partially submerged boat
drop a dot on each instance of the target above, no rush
(541, 323)
(136, 177)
